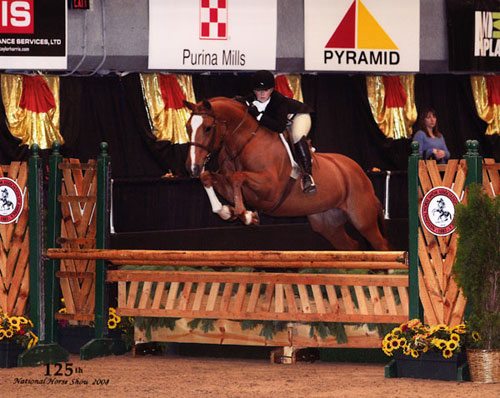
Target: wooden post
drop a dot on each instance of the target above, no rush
(474, 163)
(101, 238)
(41, 284)
(415, 306)
(53, 231)
(35, 254)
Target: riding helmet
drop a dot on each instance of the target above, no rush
(263, 80)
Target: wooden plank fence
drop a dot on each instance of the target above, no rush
(307, 297)
(14, 249)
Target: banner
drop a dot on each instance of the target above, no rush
(368, 35)
(212, 34)
(473, 35)
(33, 34)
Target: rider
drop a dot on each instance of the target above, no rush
(275, 111)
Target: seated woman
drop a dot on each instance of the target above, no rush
(431, 141)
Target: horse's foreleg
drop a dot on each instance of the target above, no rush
(225, 212)
(248, 217)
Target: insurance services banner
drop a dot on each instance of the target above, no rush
(212, 34)
(33, 34)
(362, 35)
(473, 35)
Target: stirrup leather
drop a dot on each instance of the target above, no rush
(307, 184)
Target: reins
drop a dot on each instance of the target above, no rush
(210, 147)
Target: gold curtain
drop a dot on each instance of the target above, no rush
(163, 99)
(32, 108)
(486, 91)
(290, 84)
(393, 107)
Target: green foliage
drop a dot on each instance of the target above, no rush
(325, 329)
(152, 323)
(477, 265)
(206, 325)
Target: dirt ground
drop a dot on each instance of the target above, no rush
(154, 376)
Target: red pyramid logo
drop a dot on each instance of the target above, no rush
(359, 29)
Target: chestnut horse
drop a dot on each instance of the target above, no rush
(254, 170)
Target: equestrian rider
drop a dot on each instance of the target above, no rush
(275, 111)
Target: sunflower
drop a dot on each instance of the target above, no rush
(15, 322)
(388, 337)
(111, 324)
(447, 353)
(396, 331)
(9, 333)
(460, 329)
(414, 323)
(2, 334)
(439, 343)
(452, 345)
(455, 337)
(395, 344)
(414, 353)
(475, 336)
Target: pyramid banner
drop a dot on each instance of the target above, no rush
(362, 35)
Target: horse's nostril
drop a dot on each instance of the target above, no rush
(195, 170)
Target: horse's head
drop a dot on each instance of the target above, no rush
(205, 135)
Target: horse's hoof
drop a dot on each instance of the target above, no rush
(255, 218)
(225, 213)
(250, 217)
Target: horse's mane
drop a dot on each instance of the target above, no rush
(231, 104)
(226, 101)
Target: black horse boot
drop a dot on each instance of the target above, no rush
(303, 155)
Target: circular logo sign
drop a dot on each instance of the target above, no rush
(11, 200)
(438, 211)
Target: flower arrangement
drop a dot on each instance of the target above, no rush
(18, 329)
(125, 325)
(414, 338)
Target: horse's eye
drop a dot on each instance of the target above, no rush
(207, 129)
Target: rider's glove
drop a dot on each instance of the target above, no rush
(252, 110)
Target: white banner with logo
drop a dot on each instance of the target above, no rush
(212, 34)
(33, 36)
(362, 35)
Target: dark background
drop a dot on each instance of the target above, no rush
(95, 109)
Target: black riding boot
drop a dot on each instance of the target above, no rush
(303, 155)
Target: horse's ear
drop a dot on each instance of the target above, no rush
(189, 105)
(207, 105)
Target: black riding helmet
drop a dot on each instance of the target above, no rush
(262, 80)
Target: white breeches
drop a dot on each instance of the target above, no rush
(301, 124)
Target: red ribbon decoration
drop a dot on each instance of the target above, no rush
(282, 86)
(171, 92)
(395, 95)
(493, 87)
(36, 95)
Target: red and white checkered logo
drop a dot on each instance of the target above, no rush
(213, 19)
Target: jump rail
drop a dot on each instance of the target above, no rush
(267, 259)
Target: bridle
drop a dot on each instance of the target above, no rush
(209, 148)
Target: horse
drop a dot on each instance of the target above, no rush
(255, 169)
(6, 203)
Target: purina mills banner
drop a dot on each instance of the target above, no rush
(362, 35)
(212, 34)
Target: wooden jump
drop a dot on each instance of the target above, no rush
(306, 297)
